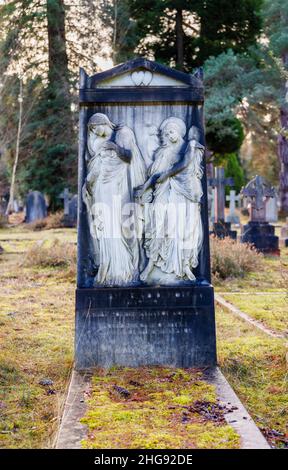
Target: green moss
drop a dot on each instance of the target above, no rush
(152, 416)
(223, 437)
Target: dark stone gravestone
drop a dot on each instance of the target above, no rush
(65, 196)
(35, 207)
(73, 207)
(70, 208)
(144, 294)
(258, 231)
(3, 204)
(221, 229)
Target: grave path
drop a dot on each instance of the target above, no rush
(236, 311)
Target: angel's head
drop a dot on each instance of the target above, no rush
(100, 125)
(172, 131)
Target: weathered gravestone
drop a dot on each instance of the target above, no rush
(65, 196)
(211, 204)
(232, 217)
(258, 231)
(221, 228)
(272, 209)
(73, 207)
(143, 287)
(70, 208)
(3, 204)
(35, 206)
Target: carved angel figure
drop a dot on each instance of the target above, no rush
(175, 232)
(106, 191)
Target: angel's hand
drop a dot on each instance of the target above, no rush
(139, 191)
(111, 146)
(147, 196)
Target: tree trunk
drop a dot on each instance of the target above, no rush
(115, 24)
(283, 151)
(58, 59)
(10, 205)
(179, 40)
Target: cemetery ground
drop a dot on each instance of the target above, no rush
(36, 359)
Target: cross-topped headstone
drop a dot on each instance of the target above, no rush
(65, 196)
(258, 190)
(219, 182)
(233, 200)
(258, 231)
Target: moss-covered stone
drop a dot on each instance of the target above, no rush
(158, 412)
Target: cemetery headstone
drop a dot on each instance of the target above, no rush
(258, 231)
(272, 209)
(211, 204)
(144, 293)
(284, 233)
(65, 196)
(232, 217)
(72, 214)
(35, 207)
(70, 208)
(3, 204)
(221, 228)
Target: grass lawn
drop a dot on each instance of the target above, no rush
(269, 309)
(36, 342)
(273, 277)
(256, 366)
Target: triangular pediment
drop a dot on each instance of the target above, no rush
(142, 73)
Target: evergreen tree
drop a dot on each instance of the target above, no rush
(184, 33)
(47, 146)
(38, 49)
(50, 141)
(234, 169)
(242, 92)
(276, 28)
(116, 18)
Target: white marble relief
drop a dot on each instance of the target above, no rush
(174, 232)
(144, 223)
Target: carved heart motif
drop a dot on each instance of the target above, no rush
(141, 77)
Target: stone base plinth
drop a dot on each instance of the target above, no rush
(145, 326)
(223, 229)
(262, 236)
(68, 222)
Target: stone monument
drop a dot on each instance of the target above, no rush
(258, 231)
(144, 294)
(284, 234)
(221, 229)
(272, 209)
(70, 208)
(35, 207)
(233, 199)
